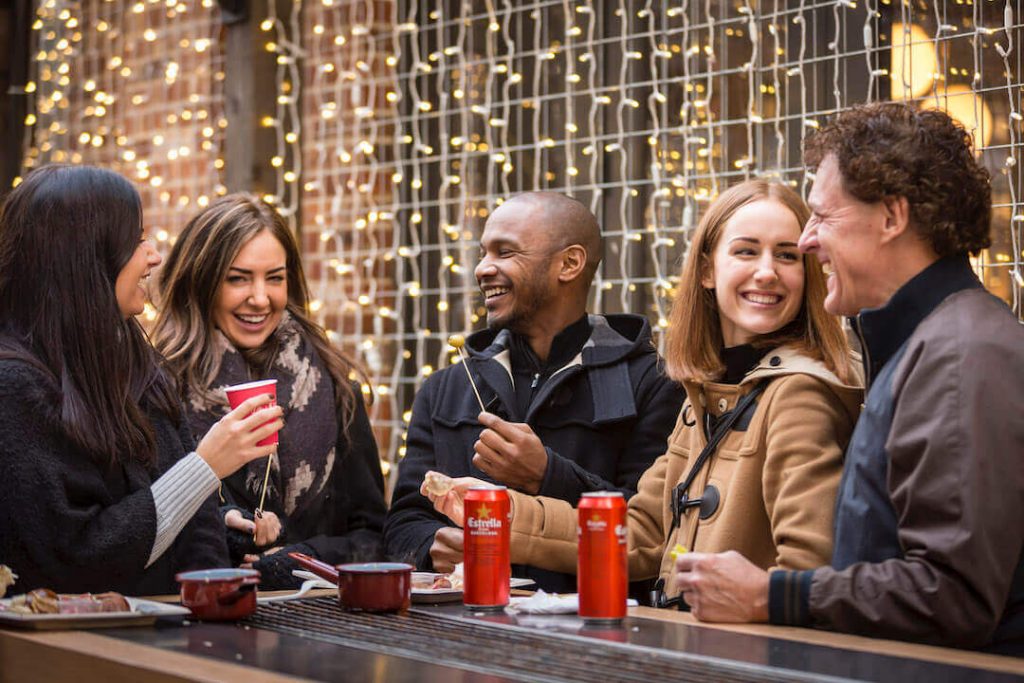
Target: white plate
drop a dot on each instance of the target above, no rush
(436, 595)
(421, 595)
(143, 613)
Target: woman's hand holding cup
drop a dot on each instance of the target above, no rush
(232, 441)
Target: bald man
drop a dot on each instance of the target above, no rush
(574, 402)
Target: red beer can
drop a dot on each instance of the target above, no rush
(487, 567)
(603, 570)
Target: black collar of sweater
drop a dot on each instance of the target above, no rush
(885, 329)
(739, 360)
(564, 348)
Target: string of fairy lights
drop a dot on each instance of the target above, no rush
(136, 87)
(399, 127)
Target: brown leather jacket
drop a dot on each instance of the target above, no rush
(929, 539)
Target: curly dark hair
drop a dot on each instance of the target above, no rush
(893, 150)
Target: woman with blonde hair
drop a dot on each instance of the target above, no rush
(754, 461)
(233, 309)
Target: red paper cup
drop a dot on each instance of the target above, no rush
(240, 393)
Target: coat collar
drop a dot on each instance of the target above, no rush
(779, 362)
(613, 338)
(883, 330)
(786, 360)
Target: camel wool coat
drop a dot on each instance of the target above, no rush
(776, 473)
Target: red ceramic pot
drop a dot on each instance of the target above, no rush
(375, 586)
(219, 594)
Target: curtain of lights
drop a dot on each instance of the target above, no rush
(401, 125)
(135, 87)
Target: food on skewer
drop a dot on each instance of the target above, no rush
(457, 341)
(438, 484)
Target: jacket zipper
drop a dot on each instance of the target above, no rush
(865, 351)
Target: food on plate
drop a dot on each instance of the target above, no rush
(45, 601)
(7, 578)
(438, 484)
(431, 582)
(425, 581)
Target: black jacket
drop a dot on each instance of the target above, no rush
(603, 418)
(69, 525)
(342, 525)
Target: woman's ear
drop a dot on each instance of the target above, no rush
(707, 273)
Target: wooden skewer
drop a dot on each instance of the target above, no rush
(457, 341)
(263, 495)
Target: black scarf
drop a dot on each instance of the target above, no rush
(306, 452)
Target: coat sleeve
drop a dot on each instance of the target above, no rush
(58, 527)
(358, 496)
(412, 521)
(544, 529)
(647, 532)
(957, 485)
(808, 428)
(658, 400)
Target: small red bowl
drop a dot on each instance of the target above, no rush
(219, 594)
(375, 586)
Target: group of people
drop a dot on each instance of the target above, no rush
(772, 472)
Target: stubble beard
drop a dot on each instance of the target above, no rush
(523, 312)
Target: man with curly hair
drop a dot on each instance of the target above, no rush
(929, 542)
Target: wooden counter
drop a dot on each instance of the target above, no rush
(253, 653)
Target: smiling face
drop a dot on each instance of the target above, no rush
(757, 271)
(254, 293)
(517, 272)
(845, 234)
(128, 288)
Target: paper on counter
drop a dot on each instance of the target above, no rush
(550, 603)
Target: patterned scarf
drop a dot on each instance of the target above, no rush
(305, 454)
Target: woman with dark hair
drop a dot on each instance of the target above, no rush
(754, 461)
(234, 308)
(100, 485)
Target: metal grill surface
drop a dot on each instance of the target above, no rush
(510, 651)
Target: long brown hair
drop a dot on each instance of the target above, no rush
(693, 341)
(188, 285)
(65, 234)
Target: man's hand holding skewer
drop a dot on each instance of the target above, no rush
(510, 452)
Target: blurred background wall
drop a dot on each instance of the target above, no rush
(387, 131)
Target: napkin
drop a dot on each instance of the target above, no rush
(550, 603)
